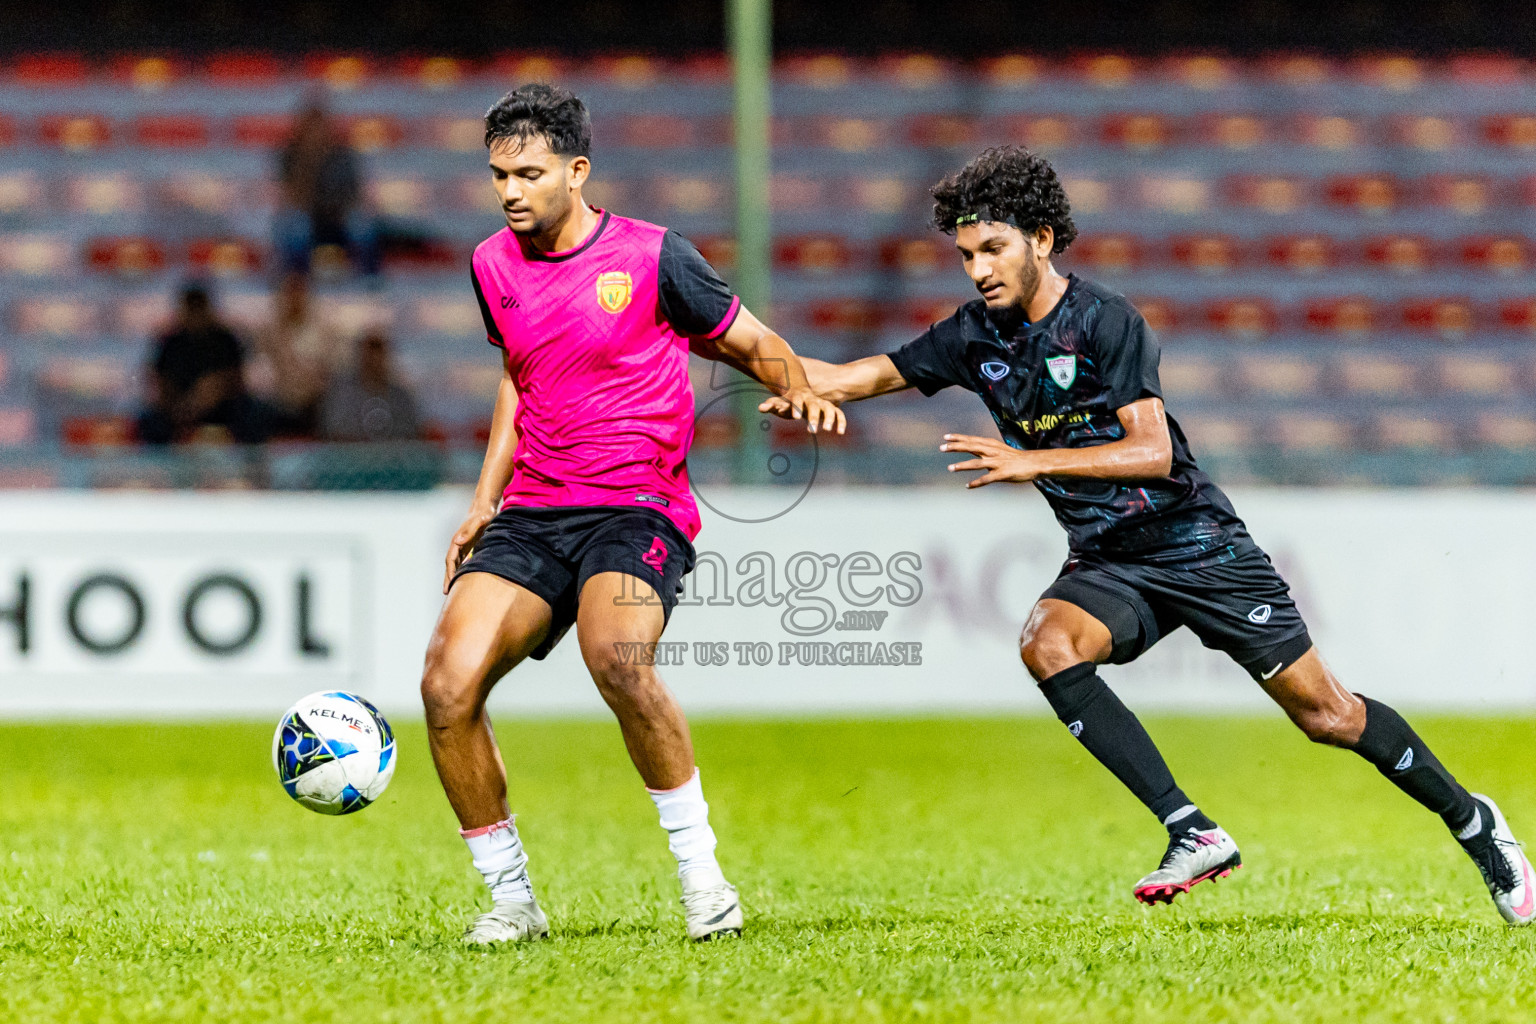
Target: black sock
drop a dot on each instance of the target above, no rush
(1395, 749)
(1113, 735)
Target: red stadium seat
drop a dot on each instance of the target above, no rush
(846, 316)
(1376, 376)
(57, 316)
(1465, 194)
(402, 197)
(1158, 312)
(1191, 375)
(915, 72)
(1394, 72)
(1011, 71)
(1108, 253)
(883, 195)
(1370, 194)
(1399, 430)
(1505, 430)
(262, 131)
(816, 70)
(1429, 132)
(813, 254)
(920, 314)
(20, 191)
(668, 131)
(846, 134)
(104, 195)
(209, 193)
(1472, 375)
(98, 431)
(1328, 131)
(342, 72)
(1354, 315)
(1278, 376)
(224, 257)
(1448, 318)
(526, 67)
(1518, 315)
(1174, 194)
(36, 255)
(1487, 70)
(1237, 132)
(1300, 432)
(796, 192)
(1401, 254)
(87, 377)
(718, 250)
(628, 70)
(1267, 193)
(1501, 255)
(1208, 254)
(7, 131)
(148, 73)
(1513, 131)
(127, 256)
(1526, 192)
(1217, 434)
(1297, 70)
(1205, 72)
(374, 132)
(171, 131)
(1042, 132)
(1139, 133)
(243, 70)
(75, 132)
(1106, 70)
(688, 195)
(18, 426)
(943, 130)
(50, 70)
(1303, 254)
(917, 257)
(459, 134)
(433, 73)
(703, 69)
(1245, 318)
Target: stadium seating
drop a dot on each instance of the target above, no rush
(1334, 251)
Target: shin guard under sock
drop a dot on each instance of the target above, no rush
(1397, 752)
(1106, 727)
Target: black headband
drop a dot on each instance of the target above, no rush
(984, 213)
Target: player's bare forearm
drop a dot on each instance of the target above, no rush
(855, 381)
(752, 348)
(495, 474)
(1145, 453)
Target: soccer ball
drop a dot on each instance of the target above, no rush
(334, 753)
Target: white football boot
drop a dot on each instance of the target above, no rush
(1505, 868)
(1193, 857)
(710, 905)
(508, 921)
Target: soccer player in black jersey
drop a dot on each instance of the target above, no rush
(1068, 370)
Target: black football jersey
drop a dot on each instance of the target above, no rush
(1057, 384)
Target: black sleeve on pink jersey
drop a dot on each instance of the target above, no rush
(492, 332)
(693, 298)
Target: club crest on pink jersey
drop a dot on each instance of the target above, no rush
(614, 290)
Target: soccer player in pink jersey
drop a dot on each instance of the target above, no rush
(583, 514)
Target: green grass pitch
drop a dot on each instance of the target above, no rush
(891, 871)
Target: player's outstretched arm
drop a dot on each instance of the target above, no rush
(758, 352)
(1144, 453)
(851, 382)
(495, 473)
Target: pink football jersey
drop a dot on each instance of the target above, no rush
(596, 339)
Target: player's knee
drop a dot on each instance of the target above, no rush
(1046, 652)
(1326, 724)
(621, 670)
(448, 697)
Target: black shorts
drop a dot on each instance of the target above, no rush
(1242, 608)
(554, 551)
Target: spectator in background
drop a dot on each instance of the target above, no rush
(369, 404)
(322, 196)
(196, 379)
(297, 354)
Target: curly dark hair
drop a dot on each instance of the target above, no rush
(1008, 184)
(541, 111)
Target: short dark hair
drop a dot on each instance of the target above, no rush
(1008, 184)
(541, 111)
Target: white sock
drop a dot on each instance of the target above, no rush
(499, 857)
(685, 816)
(1473, 827)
